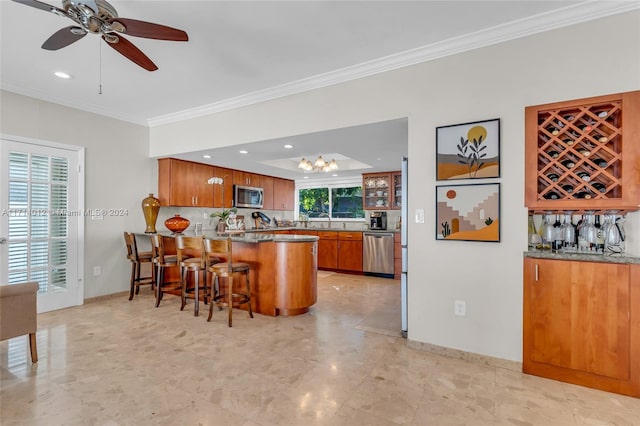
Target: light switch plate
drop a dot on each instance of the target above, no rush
(419, 216)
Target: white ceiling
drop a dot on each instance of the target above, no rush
(240, 52)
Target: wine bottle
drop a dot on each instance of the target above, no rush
(568, 142)
(584, 176)
(552, 177)
(568, 188)
(585, 152)
(600, 138)
(599, 187)
(599, 235)
(568, 164)
(599, 162)
(583, 194)
(553, 154)
(552, 195)
(557, 234)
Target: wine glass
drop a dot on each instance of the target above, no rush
(548, 234)
(614, 235)
(589, 232)
(568, 230)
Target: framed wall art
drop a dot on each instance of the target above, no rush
(468, 212)
(468, 150)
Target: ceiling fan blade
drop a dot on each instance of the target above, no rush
(39, 5)
(63, 38)
(128, 50)
(150, 30)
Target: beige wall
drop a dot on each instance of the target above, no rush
(118, 174)
(589, 59)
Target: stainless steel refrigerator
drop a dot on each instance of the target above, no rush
(404, 211)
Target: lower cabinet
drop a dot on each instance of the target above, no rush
(350, 251)
(328, 250)
(338, 250)
(581, 323)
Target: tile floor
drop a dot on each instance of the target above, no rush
(116, 362)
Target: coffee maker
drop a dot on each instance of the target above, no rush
(378, 220)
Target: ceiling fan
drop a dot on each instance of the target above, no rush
(99, 17)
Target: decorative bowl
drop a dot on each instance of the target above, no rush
(177, 224)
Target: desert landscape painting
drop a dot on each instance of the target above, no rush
(468, 151)
(468, 212)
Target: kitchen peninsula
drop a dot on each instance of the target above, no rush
(283, 269)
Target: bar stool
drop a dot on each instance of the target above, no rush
(137, 259)
(162, 261)
(196, 265)
(222, 248)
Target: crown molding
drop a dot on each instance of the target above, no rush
(570, 15)
(74, 104)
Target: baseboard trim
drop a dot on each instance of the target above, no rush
(107, 297)
(467, 356)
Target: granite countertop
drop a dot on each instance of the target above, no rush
(249, 237)
(314, 229)
(605, 258)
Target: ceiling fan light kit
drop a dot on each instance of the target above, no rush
(100, 17)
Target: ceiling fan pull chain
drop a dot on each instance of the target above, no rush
(100, 70)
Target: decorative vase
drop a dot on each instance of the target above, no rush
(222, 227)
(150, 208)
(177, 224)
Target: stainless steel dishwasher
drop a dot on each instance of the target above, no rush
(377, 254)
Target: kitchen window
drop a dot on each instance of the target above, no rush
(341, 201)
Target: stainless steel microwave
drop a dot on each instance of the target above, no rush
(247, 196)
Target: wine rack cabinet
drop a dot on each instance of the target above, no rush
(584, 154)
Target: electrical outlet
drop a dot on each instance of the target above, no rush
(460, 308)
(97, 271)
(419, 216)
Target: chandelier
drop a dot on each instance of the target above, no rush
(318, 166)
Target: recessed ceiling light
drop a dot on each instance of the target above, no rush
(305, 177)
(244, 151)
(334, 175)
(288, 146)
(206, 156)
(61, 74)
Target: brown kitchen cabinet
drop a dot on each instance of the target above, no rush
(283, 194)
(328, 250)
(396, 190)
(350, 251)
(581, 323)
(583, 154)
(376, 191)
(266, 183)
(382, 191)
(225, 189)
(184, 183)
(246, 178)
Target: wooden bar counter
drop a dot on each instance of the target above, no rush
(283, 270)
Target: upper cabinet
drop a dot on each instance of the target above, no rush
(584, 154)
(224, 190)
(381, 191)
(184, 184)
(246, 178)
(266, 183)
(283, 194)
